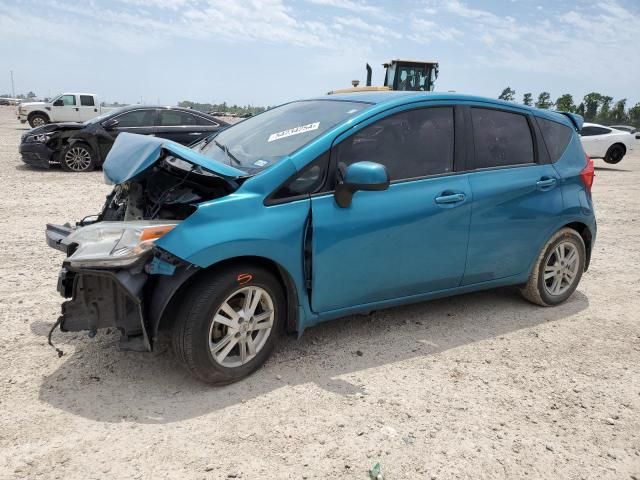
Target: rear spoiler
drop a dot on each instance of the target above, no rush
(577, 120)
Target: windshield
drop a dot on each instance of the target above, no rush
(261, 141)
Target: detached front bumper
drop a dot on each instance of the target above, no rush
(100, 298)
(36, 154)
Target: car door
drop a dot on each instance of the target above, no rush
(87, 108)
(65, 109)
(595, 140)
(407, 240)
(182, 127)
(517, 197)
(140, 120)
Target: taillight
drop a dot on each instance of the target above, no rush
(587, 174)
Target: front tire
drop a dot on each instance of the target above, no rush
(38, 119)
(78, 158)
(229, 323)
(558, 269)
(615, 154)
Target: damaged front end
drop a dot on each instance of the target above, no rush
(114, 275)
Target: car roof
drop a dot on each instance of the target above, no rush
(596, 125)
(394, 98)
(127, 108)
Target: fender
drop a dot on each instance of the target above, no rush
(166, 288)
(40, 112)
(89, 140)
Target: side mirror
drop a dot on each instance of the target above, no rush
(368, 176)
(109, 124)
(58, 103)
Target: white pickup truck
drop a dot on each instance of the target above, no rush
(66, 107)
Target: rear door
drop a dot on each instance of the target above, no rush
(183, 127)
(516, 194)
(408, 240)
(87, 108)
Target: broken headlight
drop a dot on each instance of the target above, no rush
(114, 244)
(39, 138)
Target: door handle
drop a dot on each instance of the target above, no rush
(77, 109)
(450, 198)
(546, 183)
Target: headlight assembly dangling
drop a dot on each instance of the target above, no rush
(115, 244)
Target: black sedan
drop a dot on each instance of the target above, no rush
(81, 147)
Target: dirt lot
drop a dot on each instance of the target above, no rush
(478, 386)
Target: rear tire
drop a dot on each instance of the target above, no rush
(37, 120)
(78, 157)
(217, 336)
(558, 269)
(615, 154)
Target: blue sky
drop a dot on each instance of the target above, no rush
(271, 51)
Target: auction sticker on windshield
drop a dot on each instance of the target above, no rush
(293, 131)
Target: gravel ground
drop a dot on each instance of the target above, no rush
(477, 386)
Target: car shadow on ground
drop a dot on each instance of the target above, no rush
(101, 383)
(611, 169)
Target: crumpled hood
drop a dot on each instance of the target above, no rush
(133, 154)
(54, 127)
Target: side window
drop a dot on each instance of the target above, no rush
(68, 99)
(136, 118)
(205, 121)
(501, 138)
(175, 118)
(411, 144)
(587, 131)
(556, 137)
(309, 180)
(87, 101)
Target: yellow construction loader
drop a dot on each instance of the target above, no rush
(409, 75)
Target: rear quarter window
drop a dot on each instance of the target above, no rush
(556, 137)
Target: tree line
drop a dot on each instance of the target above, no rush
(594, 106)
(222, 107)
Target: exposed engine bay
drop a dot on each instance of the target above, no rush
(114, 275)
(170, 190)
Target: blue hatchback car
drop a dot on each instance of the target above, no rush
(323, 208)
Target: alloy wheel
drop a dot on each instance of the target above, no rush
(241, 326)
(561, 268)
(616, 154)
(77, 159)
(37, 122)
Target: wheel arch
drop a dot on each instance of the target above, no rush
(38, 112)
(618, 144)
(587, 237)
(168, 298)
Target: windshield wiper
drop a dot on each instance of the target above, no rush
(227, 153)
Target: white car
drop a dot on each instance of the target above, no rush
(66, 107)
(607, 143)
